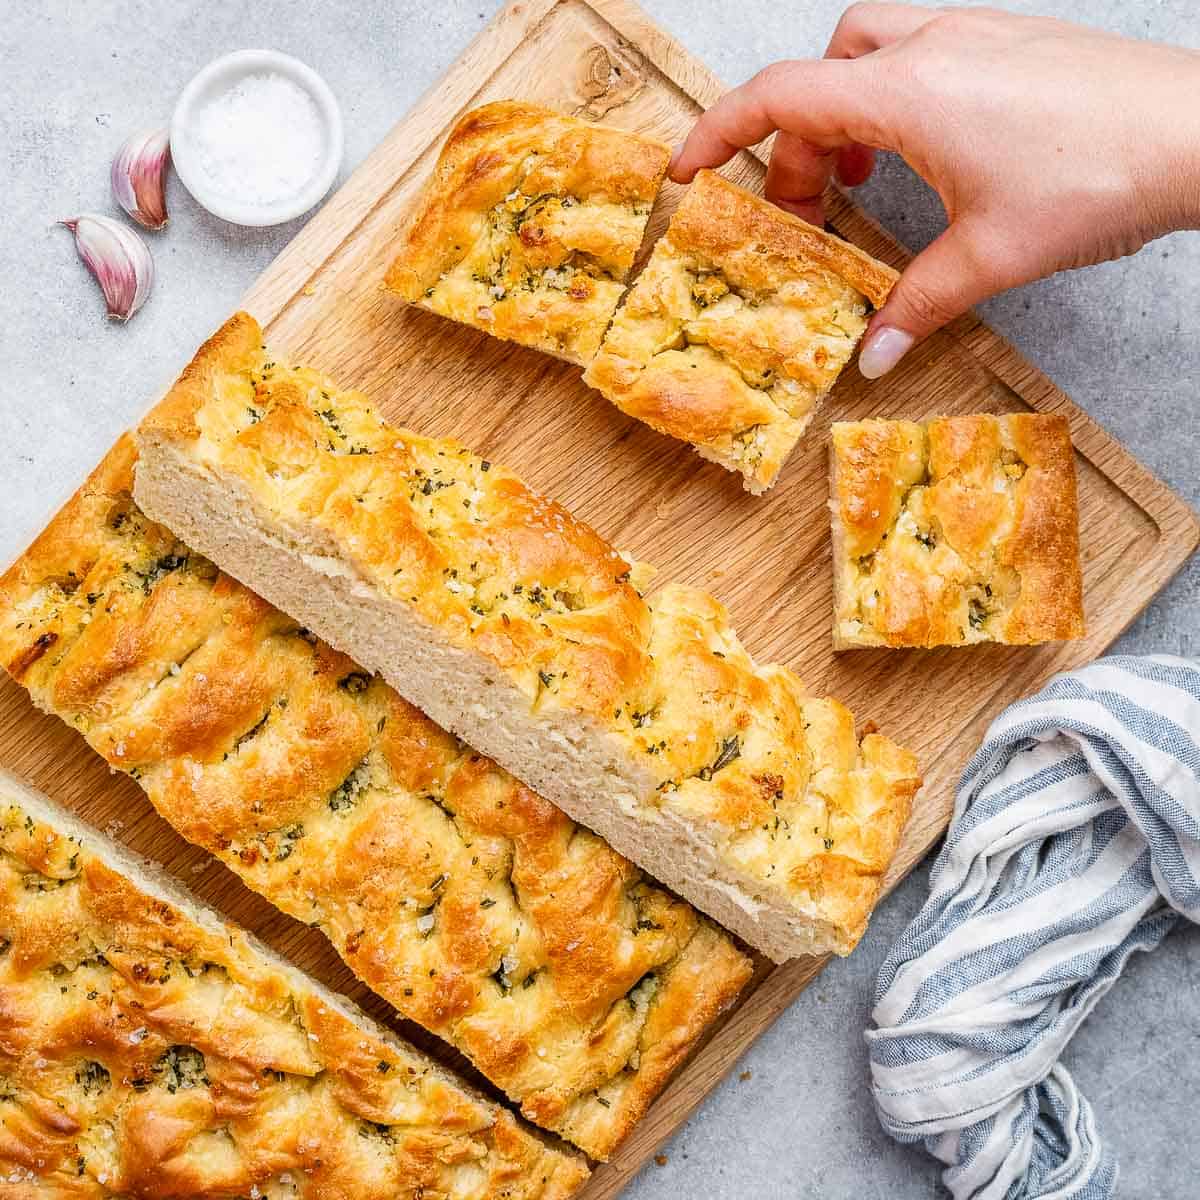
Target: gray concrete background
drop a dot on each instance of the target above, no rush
(1121, 339)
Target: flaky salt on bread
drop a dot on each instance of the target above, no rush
(522, 630)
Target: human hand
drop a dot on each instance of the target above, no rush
(1051, 146)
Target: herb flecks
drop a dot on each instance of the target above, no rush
(286, 839)
(731, 748)
(355, 683)
(181, 1067)
(162, 567)
(92, 1078)
(346, 795)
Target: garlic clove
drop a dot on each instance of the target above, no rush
(118, 258)
(139, 177)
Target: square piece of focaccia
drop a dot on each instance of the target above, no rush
(958, 531)
(471, 904)
(516, 626)
(737, 328)
(529, 226)
(151, 1049)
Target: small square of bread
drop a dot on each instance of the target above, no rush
(961, 530)
(737, 328)
(152, 1049)
(529, 225)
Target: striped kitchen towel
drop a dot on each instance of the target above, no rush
(1075, 842)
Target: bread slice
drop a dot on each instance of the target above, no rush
(955, 532)
(520, 629)
(529, 225)
(737, 328)
(472, 905)
(152, 1049)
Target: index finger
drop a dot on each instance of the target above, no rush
(824, 102)
(865, 28)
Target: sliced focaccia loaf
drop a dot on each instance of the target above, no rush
(520, 629)
(151, 1049)
(529, 226)
(470, 903)
(737, 328)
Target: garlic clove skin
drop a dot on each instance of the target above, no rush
(139, 177)
(118, 258)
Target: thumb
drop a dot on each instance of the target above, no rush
(941, 283)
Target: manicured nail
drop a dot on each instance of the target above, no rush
(882, 350)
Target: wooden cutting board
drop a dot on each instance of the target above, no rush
(768, 558)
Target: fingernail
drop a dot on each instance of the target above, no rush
(882, 350)
(676, 155)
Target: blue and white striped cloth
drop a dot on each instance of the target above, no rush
(1075, 842)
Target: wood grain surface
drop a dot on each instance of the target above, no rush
(767, 558)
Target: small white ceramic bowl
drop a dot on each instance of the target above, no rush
(219, 76)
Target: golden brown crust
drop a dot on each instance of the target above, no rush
(529, 226)
(501, 572)
(803, 803)
(152, 1051)
(760, 245)
(963, 530)
(472, 904)
(737, 328)
(451, 534)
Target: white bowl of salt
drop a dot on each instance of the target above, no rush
(256, 137)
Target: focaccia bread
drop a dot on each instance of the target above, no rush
(529, 225)
(737, 328)
(959, 531)
(151, 1049)
(471, 904)
(520, 629)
